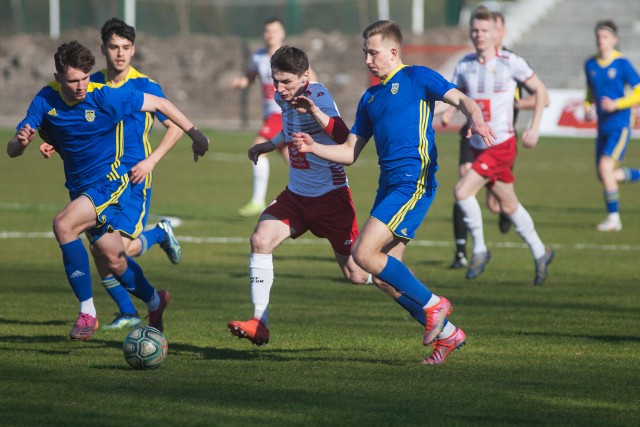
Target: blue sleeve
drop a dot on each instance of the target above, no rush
(435, 86)
(154, 89)
(120, 102)
(36, 111)
(362, 125)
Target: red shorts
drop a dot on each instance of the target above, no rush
(331, 216)
(496, 162)
(271, 126)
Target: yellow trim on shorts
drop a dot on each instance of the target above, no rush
(622, 142)
(423, 150)
(124, 182)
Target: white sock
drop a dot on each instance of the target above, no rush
(261, 274)
(154, 302)
(87, 307)
(432, 301)
(260, 180)
(473, 218)
(614, 216)
(447, 331)
(369, 280)
(525, 229)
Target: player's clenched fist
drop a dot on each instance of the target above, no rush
(200, 143)
(26, 134)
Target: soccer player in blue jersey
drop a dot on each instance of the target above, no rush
(609, 75)
(118, 47)
(83, 122)
(398, 113)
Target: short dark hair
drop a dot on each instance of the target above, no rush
(387, 29)
(272, 20)
(290, 59)
(607, 24)
(119, 28)
(73, 55)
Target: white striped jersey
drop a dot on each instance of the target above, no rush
(492, 84)
(261, 65)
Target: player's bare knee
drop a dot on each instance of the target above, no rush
(115, 262)
(361, 257)
(260, 243)
(62, 228)
(356, 277)
(459, 194)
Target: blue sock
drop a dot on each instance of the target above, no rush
(119, 295)
(611, 199)
(400, 277)
(134, 281)
(415, 310)
(152, 237)
(76, 265)
(631, 175)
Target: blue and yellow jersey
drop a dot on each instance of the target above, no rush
(611, 78)
(88, 135)
(138, 125)
(398, 113)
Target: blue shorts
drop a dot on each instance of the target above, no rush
(403, 206)
(612, 143)
(131, 221)
(109, 200)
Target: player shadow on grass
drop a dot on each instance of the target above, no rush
(605, 338)
(4, 321)
(250, 353)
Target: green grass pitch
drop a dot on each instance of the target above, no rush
(566, 353)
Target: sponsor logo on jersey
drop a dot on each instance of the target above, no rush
(394, 88)
(52, 112)
(90, 115)
(347, 242)
(611, 72)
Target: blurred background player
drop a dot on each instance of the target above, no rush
(83, 122)
(609, 74)
(493, 166)
(466, 158)
(260, 66)
(317, 197)
(398, 114)
(118, 47)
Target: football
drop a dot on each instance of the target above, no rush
(145, 348)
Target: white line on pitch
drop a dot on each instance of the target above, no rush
(425, 243)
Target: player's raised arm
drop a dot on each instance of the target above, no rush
(154, 103)
(472, 112)
(22, 138)
(334, 127)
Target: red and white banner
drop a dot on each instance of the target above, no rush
(565, 115)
